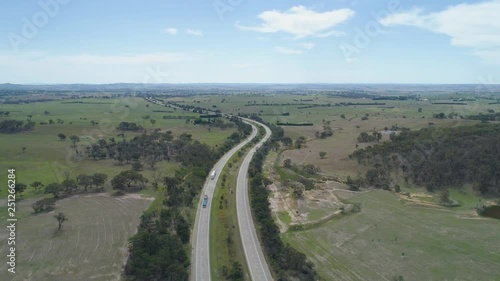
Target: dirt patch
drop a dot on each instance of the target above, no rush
(316, 205)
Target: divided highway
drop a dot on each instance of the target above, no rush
(200, 258)
(257, 265)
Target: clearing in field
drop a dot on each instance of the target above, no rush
(92, 244)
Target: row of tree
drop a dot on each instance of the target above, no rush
(69, 185)
(373, 137)
(286, 262)
(15, 126)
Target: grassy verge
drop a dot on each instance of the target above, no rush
(225, 243)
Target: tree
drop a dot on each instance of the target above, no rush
(299, 143)
(46, 204)
(137, 166)
(85, 181)
(36, 185)
(444, 196)
(61, 218)
(342, 116)
(69, 185)
(46, 112)
(74, 139)
(62, 136)
(153, 122)
(23, 148)
(157, 178)
(287, 141)
(352, 184)
(142, 181)
(20, 188)
(236, 272)
(119, 182)
(53, 188)
(322, 154)
(99, 179)
(126, 178)
(287, 163)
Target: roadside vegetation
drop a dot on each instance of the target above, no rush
(160, 248)
(286, 262)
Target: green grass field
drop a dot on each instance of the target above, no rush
(388, 239)
(384, 240)
(47, 158)
(94, 242)
(224, 223)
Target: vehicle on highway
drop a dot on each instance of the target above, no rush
(212, 175)
(205, 201)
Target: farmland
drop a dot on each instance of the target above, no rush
(389, 235)
(46, 157)
(92, 244)
(389, 238)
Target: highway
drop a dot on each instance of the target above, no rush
(257, 265)
(200, 256)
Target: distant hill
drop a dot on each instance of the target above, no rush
(386, 89)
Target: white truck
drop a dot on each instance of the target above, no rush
(212, 175)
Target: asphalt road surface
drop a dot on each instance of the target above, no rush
(257, 265)
(200, 258)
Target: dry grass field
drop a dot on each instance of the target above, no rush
(92, 244)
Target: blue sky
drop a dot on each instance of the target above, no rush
(230, 41)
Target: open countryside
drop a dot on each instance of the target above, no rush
(250, 140)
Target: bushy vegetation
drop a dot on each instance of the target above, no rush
(126, 126)
(490, 116)
(158, 250)
(15, 126)
(286, 262)
(439, 158)
(373, 137)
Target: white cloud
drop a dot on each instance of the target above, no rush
(298, 50)
(307, 46)
(301, 22)
(475, 26)
(194, 32)
(288, 51)
(171, 31)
